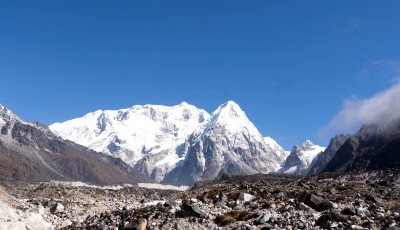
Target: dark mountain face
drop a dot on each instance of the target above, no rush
(373, 147)
(31, 152)
(318, 164)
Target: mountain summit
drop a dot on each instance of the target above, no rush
(300, 158)
(227, 143)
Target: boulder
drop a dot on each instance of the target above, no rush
(351, 211)
(57, 208)
(263, 217)
(137, 224)
(316, 202)
(326, 219)
(188, 209)
(245, 197)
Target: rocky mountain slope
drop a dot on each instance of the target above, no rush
(300, 158)
(320, 161)
(31, 152)
(157, 140)
(227, 143)
(373, 147)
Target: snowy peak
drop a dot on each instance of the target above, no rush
(307, 145)
(156, 139)
(308, 151)
(300, 158)
(229, 119)
(229, 108)
(7, 118)
(228, 111)
(227, 143)
(145, 136)
(6, 114)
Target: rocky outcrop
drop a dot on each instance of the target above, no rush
(320, 161)
(373, 147)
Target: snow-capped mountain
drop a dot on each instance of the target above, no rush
(227, 142)
(300, 158)
(152, 133)
(155, 139)
(279, 151)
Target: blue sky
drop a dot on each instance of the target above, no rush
(290, 65)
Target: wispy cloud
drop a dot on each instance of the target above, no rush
(382, 69)
(345, 26)
(382, 109)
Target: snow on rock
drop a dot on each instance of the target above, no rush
(156, 139)
(245, 197)
(310, 151)
(227, 143)
(153, 132)
(300, 158)
(280, 152)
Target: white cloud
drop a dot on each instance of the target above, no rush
(382, 109)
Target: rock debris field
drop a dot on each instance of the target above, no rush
(352, 201)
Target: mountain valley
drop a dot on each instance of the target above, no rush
(103, 171)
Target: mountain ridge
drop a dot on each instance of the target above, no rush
(30, 151)
(301, 157)
(163, 134)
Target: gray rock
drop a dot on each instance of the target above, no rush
(139, 224)
(358, 227)
(49, 203)
(188, 209)
(245, 197)
(314, 201)
(325, 219)
(263, 217)
(349, 211)
(304, 207)
(221, 198)
(57, 208)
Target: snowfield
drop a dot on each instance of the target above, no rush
(163, 186)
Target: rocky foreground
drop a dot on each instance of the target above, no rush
(353, 201)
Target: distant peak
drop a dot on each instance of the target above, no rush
(232, 117)
(6, 113)
(229, 104)
(3, 108)
(230, 107)
(307, 144)
(184, 103)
